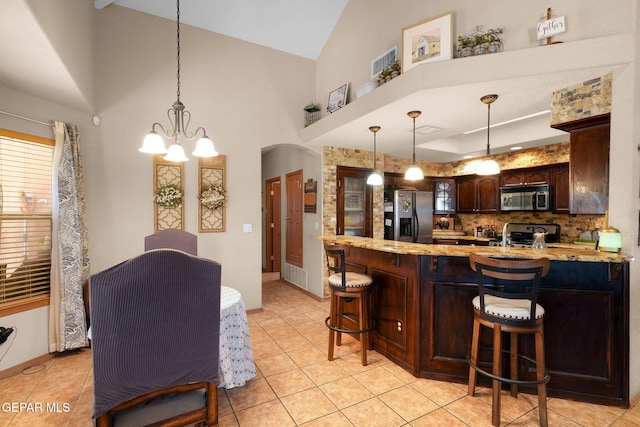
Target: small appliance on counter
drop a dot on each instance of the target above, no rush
(522, 235)
(408, 216)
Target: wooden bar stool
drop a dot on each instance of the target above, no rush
(346, 286)
(507, 302)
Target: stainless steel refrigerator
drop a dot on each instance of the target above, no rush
(408, 216)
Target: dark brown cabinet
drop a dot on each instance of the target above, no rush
(477, 194)
(396, 181)
(353, 202)
(529, 176)
(559, 179)
(589, 164)
(444, 196)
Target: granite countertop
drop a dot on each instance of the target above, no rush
(554, 251)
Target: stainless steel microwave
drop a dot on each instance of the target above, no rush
(525, 198)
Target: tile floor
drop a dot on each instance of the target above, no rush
(296, 385)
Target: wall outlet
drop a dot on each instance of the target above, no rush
(247, 228)
(4, 333)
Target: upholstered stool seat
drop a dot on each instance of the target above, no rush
(507, 302)
(347, 286)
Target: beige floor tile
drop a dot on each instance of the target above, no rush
(633, 414)
(438, 418)
(308, 405)
(335, 419)
(474, 412)
(307, 356)
(289, 382)
(372, 413)
(346, 392)
(408, 403)
(269, 414)
(253, 393)
(275, 364)
(272, 323)
(293, 342)
(378, 380)
(440, 392)
(282, 332)
(266, 348)
(324, 372)
(228, 420)
(586, 414)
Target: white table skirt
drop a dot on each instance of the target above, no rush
(236, 354)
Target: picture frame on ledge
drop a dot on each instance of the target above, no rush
(430, 40)
(338, 98)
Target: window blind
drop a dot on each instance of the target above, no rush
(25, 219)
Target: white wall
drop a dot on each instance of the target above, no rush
(246, 96)
(369, 27)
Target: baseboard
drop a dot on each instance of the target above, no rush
(304, 291)
(634, 399)
(24, 365)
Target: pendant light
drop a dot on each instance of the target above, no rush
(414, 173)
(488, 166)
(179, 118)
(375, 178)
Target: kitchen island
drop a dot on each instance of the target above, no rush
(424, 317)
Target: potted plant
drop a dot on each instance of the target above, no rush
(395, 69)
(479, 43)
(465, 46)
(494, 39)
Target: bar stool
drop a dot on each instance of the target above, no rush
(507, 302)
(346, 286)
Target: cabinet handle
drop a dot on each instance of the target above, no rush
(399, 326)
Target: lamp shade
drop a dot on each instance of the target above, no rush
(153, 144)
(374, 179)
(488, 167)
(414, 173)
(205, 148)
(176, 154)
(610, 240)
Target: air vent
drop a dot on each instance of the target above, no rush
(427, 129)
(383, 61)
(296, 275)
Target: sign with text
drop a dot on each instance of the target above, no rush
(551, 27)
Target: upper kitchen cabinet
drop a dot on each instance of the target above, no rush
(444, 196)
(588, 164)
(529, 176)
(559, 180)
(353, 202)
(477, 194)
(396, 181)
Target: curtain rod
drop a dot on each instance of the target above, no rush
(26, 118)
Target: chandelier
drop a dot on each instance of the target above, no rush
(179, 119)
(375, 178)
(414, 173)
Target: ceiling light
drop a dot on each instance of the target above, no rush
(179, 119)
(488, 166)
(375, 178)
(516, 148)
(414, 173)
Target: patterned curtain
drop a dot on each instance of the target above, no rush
(70, 244)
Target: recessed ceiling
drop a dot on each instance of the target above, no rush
(294, 26)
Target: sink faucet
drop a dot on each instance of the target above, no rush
(504, 234)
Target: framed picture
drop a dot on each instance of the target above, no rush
(337, 98)
(427, 41)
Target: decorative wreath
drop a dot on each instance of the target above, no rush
(168, 196)
(213, 197)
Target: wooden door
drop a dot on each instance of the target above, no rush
(294, 190)
(559, 176)
(273, 251)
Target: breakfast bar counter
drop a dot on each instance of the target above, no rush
(424, 317)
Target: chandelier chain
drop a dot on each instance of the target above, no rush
(178, 47)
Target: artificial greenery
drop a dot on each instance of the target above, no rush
(213, 197)
(168, 196)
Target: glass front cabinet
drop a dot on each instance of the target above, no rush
(353, 202)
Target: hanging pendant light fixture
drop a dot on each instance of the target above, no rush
(488, 166)
(179, 119)
(414, 173)
(375, 178)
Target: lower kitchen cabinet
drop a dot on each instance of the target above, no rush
(424, 318)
